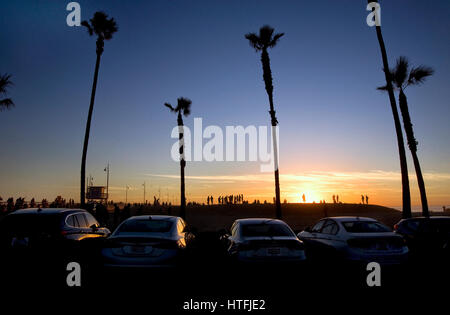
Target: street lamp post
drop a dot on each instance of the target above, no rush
(144, 191)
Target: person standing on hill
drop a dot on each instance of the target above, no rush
(334, 199)
(303, 198)
(337, 198)
(367, 200)
(362, 199)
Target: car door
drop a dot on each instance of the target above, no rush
(328, 234)
(94, 229)
(314, 235)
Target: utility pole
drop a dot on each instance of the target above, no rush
(107, 184)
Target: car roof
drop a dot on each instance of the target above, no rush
(154, 217)
(259, 221)
(438, 217)
(350, 218)
(46, 211)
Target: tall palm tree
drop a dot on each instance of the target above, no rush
(104, 29)
(5, 83)
(406, 196)
(403, 76)
(183, 108)
(266, 39)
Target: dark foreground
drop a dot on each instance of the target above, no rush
(208, 276)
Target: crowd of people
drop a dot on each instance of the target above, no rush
(227, 200)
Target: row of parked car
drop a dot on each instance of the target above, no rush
(157, 240)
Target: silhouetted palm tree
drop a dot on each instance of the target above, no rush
(183, 108)
(266, 39)
(406, 196)
(104, 29)
(402, 77)
(5, 82)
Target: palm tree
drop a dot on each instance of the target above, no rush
(104, 29)
(5, 82)
(183, 108)
(402, 77)
(266, 39)
(406, 196)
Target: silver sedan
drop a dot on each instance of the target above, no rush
(263, 240)
(147, 241)
(355, 239)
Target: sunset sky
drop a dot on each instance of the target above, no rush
(336, 130)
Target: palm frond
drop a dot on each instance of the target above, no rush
(419, 74)
(89, 28)
(169, 106)
(382, 88)
(265, 35)
(5, 82)
(253, 40)
(102, 26)
(400, 73)
(275, 40)
(184, 104)
(6, 103)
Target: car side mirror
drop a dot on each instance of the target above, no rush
(308, 229)
(94, 227)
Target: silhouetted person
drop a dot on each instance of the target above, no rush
(362, 199)
(212, 200)
(337, 198)
(303, 198)
(367, 200)
(334, 199)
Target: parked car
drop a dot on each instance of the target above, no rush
(426, 235)
(354, 239)
(29, 228)
(263, 240)
(47, 235)
(147, 241)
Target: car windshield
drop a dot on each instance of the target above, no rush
(364, 227)
(145, 226)
(264, 229)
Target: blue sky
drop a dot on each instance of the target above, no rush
(325, 68)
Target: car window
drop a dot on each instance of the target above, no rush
(365, 227)
(91, 220)
(70, 221)
(81, 220)
(318, 226)
(330, 227)
(263, 229)
(413, 225)
(145, 226)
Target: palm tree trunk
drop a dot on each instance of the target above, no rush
(182, 166)
(267, 75)
(86, 135)
(412, 144)
(406, 196)
(421, 183)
